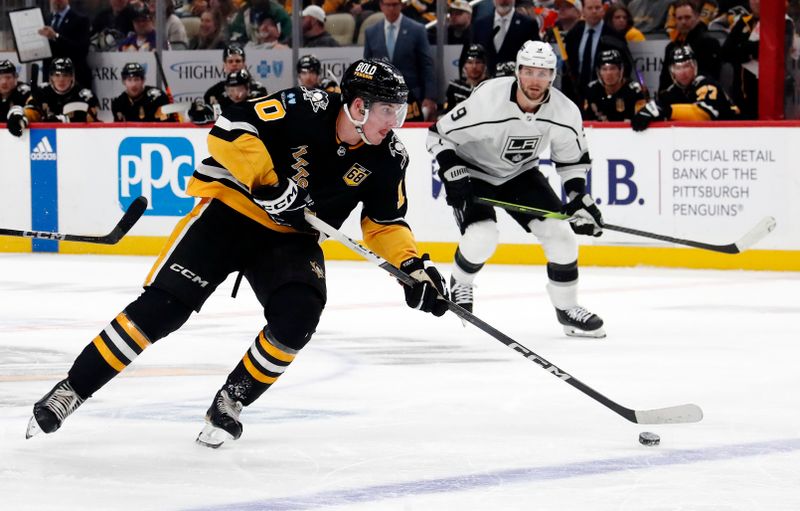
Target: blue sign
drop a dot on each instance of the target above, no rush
(158, 168)
(44, 186)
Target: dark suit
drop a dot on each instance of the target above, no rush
(72, 42)
(520, 29)
(571, 83)
(412, 55)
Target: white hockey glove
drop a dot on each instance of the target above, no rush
(426, 295)
(16, 122)
(585, 217)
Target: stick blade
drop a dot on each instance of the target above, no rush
(764, 227)
(680, 414)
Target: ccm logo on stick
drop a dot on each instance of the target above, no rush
(545, 364)
(189, 274)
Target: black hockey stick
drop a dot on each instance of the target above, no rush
(764, 227)
(672, 414)
(131, 216)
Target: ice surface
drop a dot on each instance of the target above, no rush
(391, 409)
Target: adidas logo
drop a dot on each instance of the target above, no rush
(43, 151)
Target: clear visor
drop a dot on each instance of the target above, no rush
(391, 115)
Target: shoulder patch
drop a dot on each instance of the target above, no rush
(398, 150)
(318, 98)
(85, 94)
(154, 93)
(23, 88)
(635, 86)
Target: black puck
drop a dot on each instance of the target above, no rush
(649, 439)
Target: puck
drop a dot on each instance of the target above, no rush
(649, 439)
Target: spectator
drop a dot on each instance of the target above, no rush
(569, 14)
(139, 102)
(472, 74)
(459, 24)
(68, 33)
(584, 43)
(226, 10)
(176, 33)
(691, 97)
(13, 96)
(505, 69)
(741, 49)
(143, 37)
(117, 17)
(309, 75)
(421, 11)
(612, 97)
(210, 34)
(707, 12)
(542, 12)
(690, 31)
(314, 33)
(619, 18)
(404, 43)
(233, 59)
(268, 36)
(246, 21)
(648, 15)
(62, 100)
(503, 32)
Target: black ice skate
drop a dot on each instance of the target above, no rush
(50, 411)
(578, 322)
(461, 294)
(222, 421)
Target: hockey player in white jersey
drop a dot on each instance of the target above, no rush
(489, 146)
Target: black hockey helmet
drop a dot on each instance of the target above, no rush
(132, 69)
(62, 66)
(612, 56)
(476, 51)
(374, 80)
(681, 54)
(309, 63)
(232, 49)
(6, 67)
(240, 77)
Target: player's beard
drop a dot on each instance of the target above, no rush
(536, 96)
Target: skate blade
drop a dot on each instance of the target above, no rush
(33, 428)
(213, 437)
(571, 331)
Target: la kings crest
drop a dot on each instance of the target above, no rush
(517, 150)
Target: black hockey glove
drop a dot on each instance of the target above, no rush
(457, 185)
(430, 291)
(650, 112)
(16, 121)
(585, 217)
(285, 203)
(200, 113)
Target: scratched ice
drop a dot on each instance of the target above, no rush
(390, 409)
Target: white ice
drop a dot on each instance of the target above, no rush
(391, 409)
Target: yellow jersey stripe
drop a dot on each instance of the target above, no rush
(255, 373)
(246, 158)
(272, 350)
(109, 357)
(131, 329)
(393, 242)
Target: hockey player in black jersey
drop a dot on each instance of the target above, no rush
(62, 99)
(237, 90)
(473, 73)
(13, 96)
(612, 97)
(489, 146)
(309, 75)
(139, 102)
(691, 97)
(233, 59)
(270, 160)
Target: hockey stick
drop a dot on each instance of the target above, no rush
(673, 414)
(764, 227)
(131, 216)
(160, 69)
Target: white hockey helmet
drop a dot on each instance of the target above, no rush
(537, 54)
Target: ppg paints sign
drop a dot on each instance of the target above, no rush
(158, 168)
